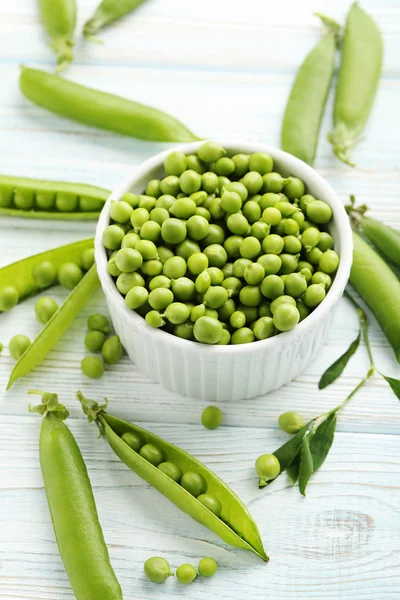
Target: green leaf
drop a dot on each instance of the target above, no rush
(306, 465)
(322, 440)
(337, 368)
(394, 384)
(293, 469)
(287, 453)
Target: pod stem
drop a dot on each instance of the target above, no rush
(332, 27)
(342, 141)
(64, 50)
(49, 404)
(91, 27)
(93, 410)
(354, 212)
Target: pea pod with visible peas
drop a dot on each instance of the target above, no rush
(59, 21)
(99, 109)
(30, 275)
(39, 199)
(235, 524)
(306, 103)
(72, 506)
(56, 327)
(379, 287)
(107, 12)
(359, 73)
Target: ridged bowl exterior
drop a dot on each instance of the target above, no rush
(214, 373)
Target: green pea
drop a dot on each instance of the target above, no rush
(250, 295)
(272, 244)
(272, 287)
(215, 235)
(154, 319)
(238, 188)
(250, 312)
(164, 254)
(313, 256)
(9, 298)
(46, 200)
(267, 467)
(157, 569)
(231, 202)
(127, 281)
(130, 240)
(225, 337)
(240, 265)
(170, 185)
(254, 273)
(210, 152)
(291, 244)
(284, 299)
(131, 199)
(194, 163)
(241, 162)
(271, 263)
(325, 241)
(253, 182)
(223, 166)
(177, 313)
(304, 311)
(305, 200)
(186, 248)
(209, 182)
(272, 216)
(112, 350)
(285, 317)
(244, 335)
(197, 227)
(184, 331)
(152, 268)
(186, 574)
(128, 259)
(216, 275)
(207, 330)
(269, 200)
(261, 162)
(171, 470)
(299, 218)
(237, 224)
(294, 188)
(211, 502)
(92, 367)
(237, 319)
(151, 230)
(94, 341)
(216, 255)
(165, 201)
(226, 310)
(194, 483)
(291, 422)
(215, 296)
(66, 201)
(201, 211)
(310, 238)
(174, 267)
(233, 285)
(260, 230)
(153, 188)
(175, 163)
(45, 308)
(190, 182)
(69, 275)
(322, 278)
(295, 285)
(329, 262)
(44, 274)
(120, 211)
(18, 345)
(133, 439)
(152, 454)
(136, 297)
(250, 247)
(203, 282)
(112, 237)
(207, 567)
(98, 322)
(289, 263)
(227, 270)
(215, 208)
(87, 259)
(197, 263)
(320, 212)
(23, 199)
(147, 202)
(264, 328)
(160, 281)
(264, 309)
(252, 211)
(160, 298)
(306, 273)
(173, 231)
(139, 217)
(314, 295)
(197, 312)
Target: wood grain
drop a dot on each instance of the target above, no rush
(225, 69)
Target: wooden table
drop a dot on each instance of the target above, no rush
(224, 68)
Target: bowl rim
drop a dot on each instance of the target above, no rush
(292, 164)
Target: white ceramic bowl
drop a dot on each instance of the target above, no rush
(215, 373)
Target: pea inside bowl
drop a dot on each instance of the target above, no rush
(278, 259)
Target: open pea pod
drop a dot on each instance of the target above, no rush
(19, 275)
(56, 327)
(235, 525)
(39, 199)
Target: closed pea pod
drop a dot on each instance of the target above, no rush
(100, 109)
(72, 506)
(359, 73)
(235, 527)
(107, 12)
(385, 238)
(379, 287)
(59, 20)
(306, 103)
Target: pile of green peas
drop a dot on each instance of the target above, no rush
(96, 340)
(222, 250)
(157, 569)
(191, 481)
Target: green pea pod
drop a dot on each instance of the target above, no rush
(19, 275)
(306, 103)
(99, 109)
(59, 20)
(89, 199)
(107, 12)
(236, 526)
(56, 327)
(384, 238)
(379, 287)
(72, 507)
(359, 73)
